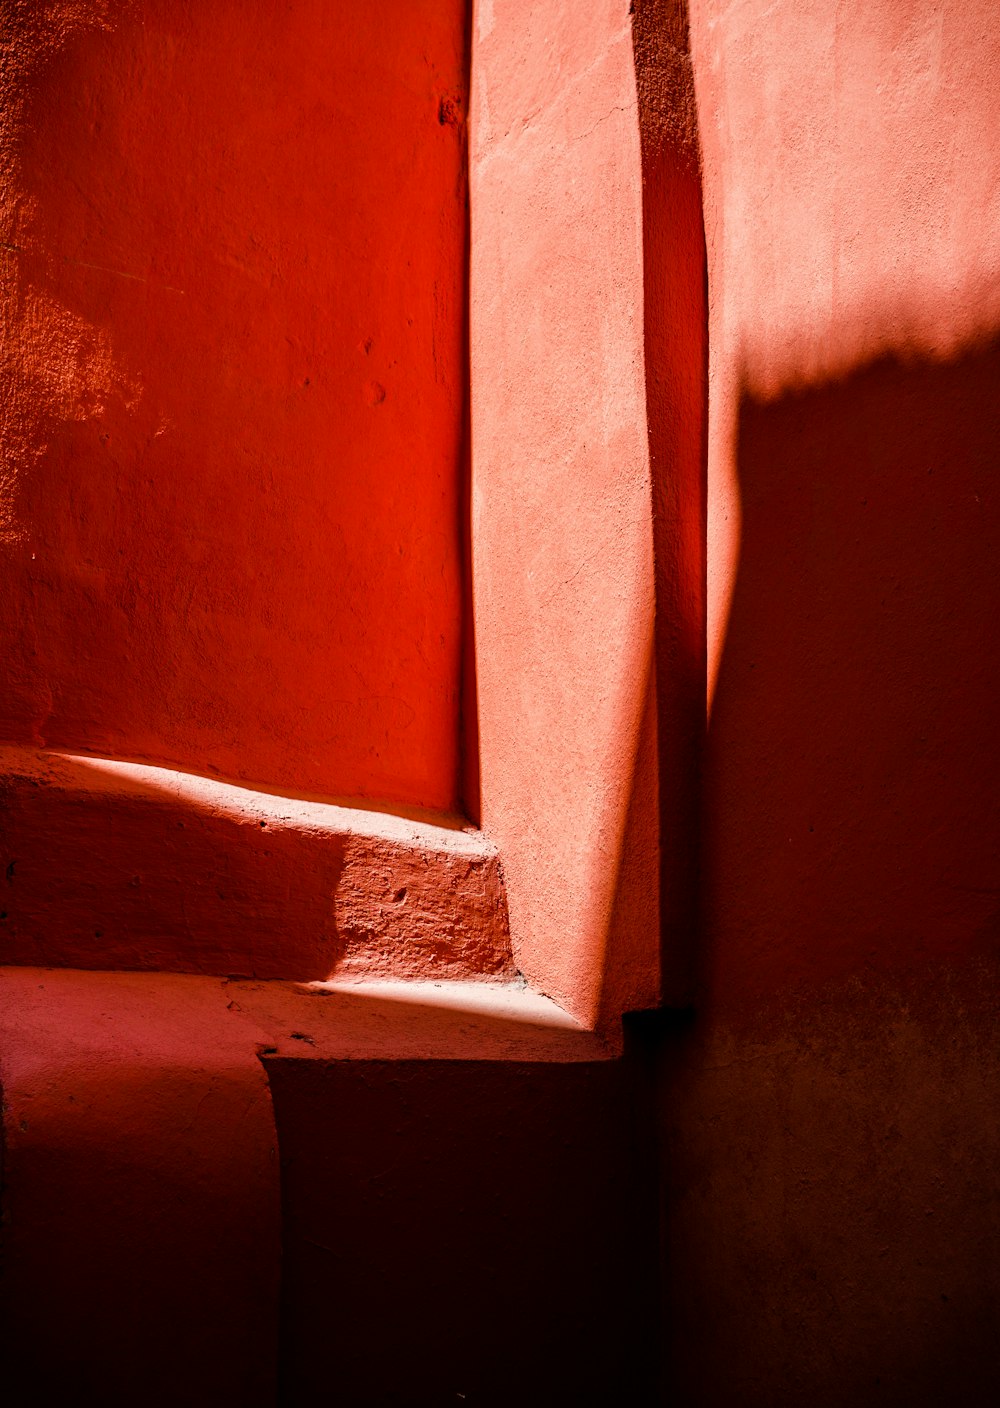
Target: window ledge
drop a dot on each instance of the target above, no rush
(120, 865)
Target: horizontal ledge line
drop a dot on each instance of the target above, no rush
(86, 772)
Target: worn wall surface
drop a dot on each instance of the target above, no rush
(561, 497)
(830, 1115)
(233, 261)
(232, 258)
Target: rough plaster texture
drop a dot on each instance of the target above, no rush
(108, 864)
(561, 497)
(827, 1117)
(232, 261)
(830, 1212)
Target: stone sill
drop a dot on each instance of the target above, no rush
(127, 866)
(211, 1176)
(118, 1017)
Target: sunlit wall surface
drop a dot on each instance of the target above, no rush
(232, 263)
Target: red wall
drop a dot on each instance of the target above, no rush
(233, 254)
(829, 1113)
(233, 287)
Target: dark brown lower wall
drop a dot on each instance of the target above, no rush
(830, 1199)
(464, 1232)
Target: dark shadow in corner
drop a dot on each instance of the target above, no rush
(469, 791)
(461, 1231)
(676, 375)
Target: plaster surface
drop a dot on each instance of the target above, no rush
(232, 262)
(109, 864)
(561, 498)
(829, 1111)
(141, 1229)
(442, 1146)
(479, 1184)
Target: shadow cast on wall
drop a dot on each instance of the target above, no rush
(113, 873)
(122, 865)
(850, 813)
(442, 1235)
(829, 1118)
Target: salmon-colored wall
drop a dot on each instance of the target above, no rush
(829, 1111)
(233, 305)
(561, 498)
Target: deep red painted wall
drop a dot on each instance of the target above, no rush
(233, 286)
(829, 1113)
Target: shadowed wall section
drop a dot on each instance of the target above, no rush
(477, 1178)
(141, 1202)
(675, 315)
(232, 260)
(832, 1116)
(119, 865)
(829, 1114)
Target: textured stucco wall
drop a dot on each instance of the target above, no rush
(561, 497)
(232, 259)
